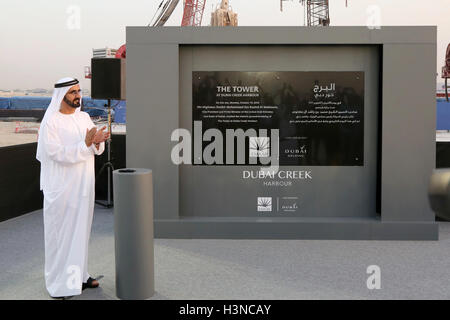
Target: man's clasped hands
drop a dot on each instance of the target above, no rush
(94, 136)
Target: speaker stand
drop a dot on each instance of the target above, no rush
(107, 165)
(446, 89)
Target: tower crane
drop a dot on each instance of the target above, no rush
(317, 12)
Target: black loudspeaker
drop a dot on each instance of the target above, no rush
(108, 78)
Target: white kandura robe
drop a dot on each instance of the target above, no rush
(69, 195)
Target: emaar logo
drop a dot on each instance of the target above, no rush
(265, 204)
(259, 147)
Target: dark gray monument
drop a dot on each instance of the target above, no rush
(353, 110)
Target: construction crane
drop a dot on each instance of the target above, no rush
(446, 71)
(317, 12)
(193, 12)
(163, 13)
(192, 16)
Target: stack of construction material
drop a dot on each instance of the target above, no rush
(224, 16)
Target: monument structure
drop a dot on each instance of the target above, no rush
(285, 132)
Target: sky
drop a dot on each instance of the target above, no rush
(42, 41)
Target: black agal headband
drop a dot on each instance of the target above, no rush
(67, 84)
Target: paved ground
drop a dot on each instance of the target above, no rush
(239, 269)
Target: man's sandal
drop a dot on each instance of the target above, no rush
(62, 298)
(89, 284)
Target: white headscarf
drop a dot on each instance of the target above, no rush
(54, 106)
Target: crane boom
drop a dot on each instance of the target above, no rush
(165, 13)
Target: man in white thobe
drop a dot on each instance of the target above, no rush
(67, 143)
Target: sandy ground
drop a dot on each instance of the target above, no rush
(20, 132)
(17, 132)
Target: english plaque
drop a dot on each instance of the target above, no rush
(319, 115)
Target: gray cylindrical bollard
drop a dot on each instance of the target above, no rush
(133, 228)
(439, 193)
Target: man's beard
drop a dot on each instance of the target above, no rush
(74, 104)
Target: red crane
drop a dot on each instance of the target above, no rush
(446, 71)
(193, 13)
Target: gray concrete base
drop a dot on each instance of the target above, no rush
(294, 228)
